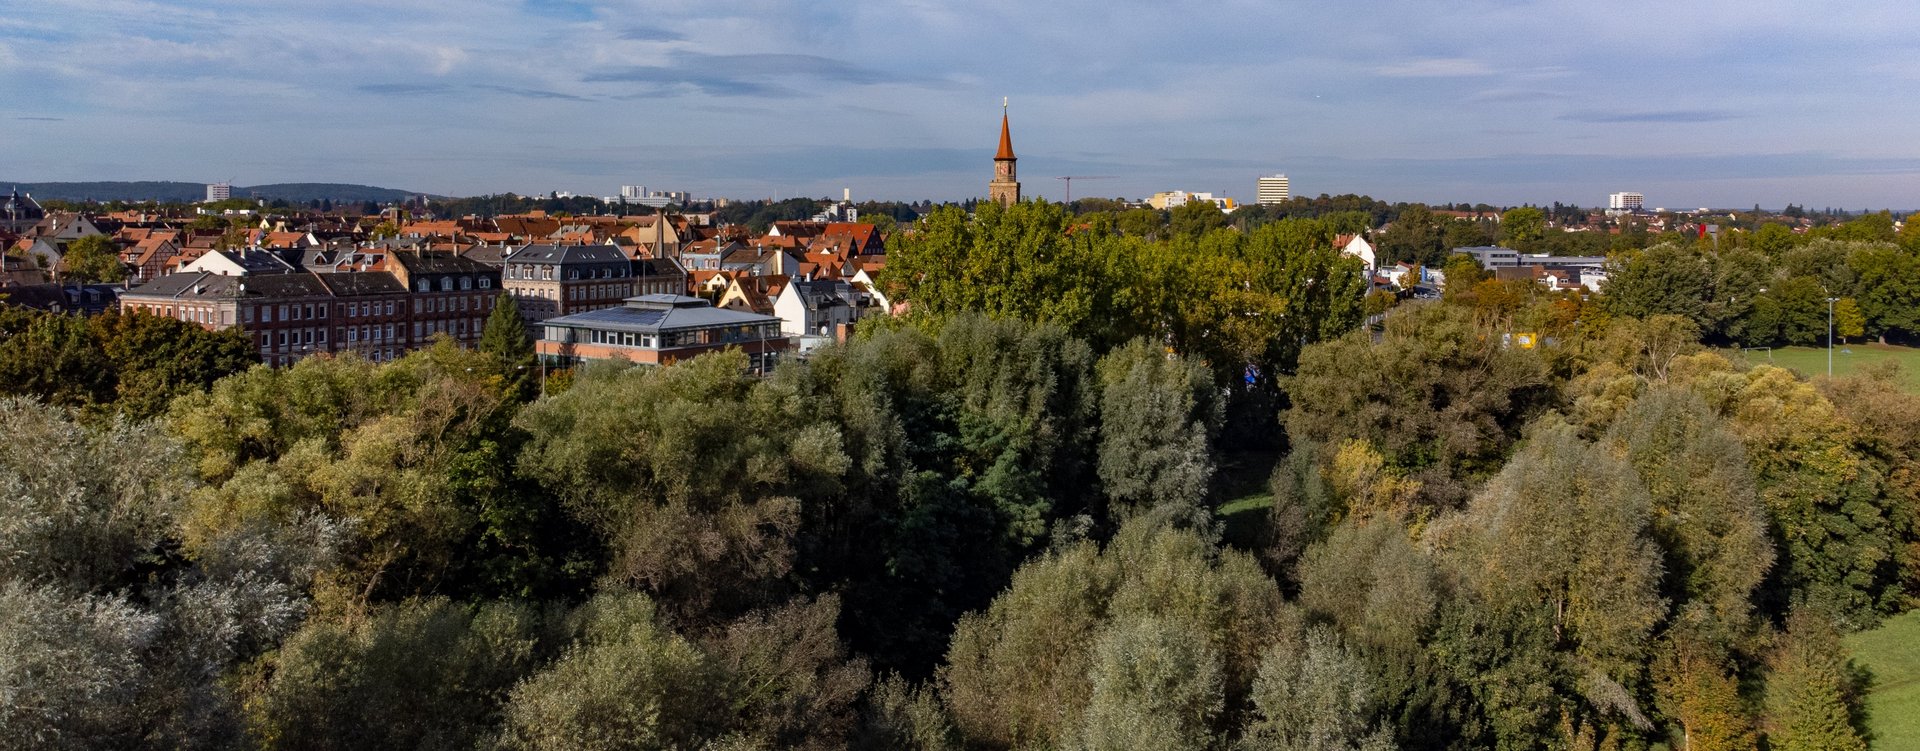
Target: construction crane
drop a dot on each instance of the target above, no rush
(1071, 178)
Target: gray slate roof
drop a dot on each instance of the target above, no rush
(650, 314)
(565, 254)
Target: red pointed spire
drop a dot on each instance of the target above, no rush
(1006, 138)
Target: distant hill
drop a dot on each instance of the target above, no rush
(170, 191)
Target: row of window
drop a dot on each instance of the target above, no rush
(355, 309)
(545, 273)
(446, 283)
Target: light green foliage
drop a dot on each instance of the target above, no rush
(1565, 526)
(1773, 240)
(627, 683)
(1155, 684)
(1706, 513)
(410, 453)
(1523, 227)
(70, 668)
(1018, 674)
(1808, 696)
(93, 259)
(1158, 414)
(425, 674)
(1226, 298)
(80, 507)
(1827, 502)
(1317, 697)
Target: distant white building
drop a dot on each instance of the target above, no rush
(1175, 198)
(1272, 189)
(1624, 203)
(219, 192)
(633, 191)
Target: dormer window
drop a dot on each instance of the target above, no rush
(446, 284)
(466, 282)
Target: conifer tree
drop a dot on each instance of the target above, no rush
(505, 337)
(1807, 691)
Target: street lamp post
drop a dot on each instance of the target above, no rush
(1830, 302)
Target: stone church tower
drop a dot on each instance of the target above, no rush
(1005, 188)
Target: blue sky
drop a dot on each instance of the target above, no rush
(1701, 103)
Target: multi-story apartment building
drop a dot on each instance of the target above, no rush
(557, 280)
(1624, 203)
(369, 314)
(449, 294)
(292, 315)
(286, 315)
(1272, 189)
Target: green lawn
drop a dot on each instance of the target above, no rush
(1847, 359)
(1892, 653)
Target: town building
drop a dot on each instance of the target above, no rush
(219, 192)
(1272, 189)
(1624, 203)
(661, 330)
(18, 213)
(1005, 187)
(1176, 198)
(449, 294)
(556, 280)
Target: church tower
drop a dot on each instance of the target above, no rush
(1005, 188)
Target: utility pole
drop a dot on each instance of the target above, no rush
(1830, 302)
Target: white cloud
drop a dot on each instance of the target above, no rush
(1435, 67)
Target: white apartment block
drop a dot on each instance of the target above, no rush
(219, 192)
(1625, 202)
(1272, 189)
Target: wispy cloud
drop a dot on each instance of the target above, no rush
(42, 119)
(1517, 95)
(758, 74)
(651, 34)
(1435, 67)
(1660, 116)
(404, 89)
(531, 93)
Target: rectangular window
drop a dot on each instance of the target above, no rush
(283, 338)
(389, 307)
(247, 312)
(416, 329)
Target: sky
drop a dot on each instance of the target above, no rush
(1720, 103)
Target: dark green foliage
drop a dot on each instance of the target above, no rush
(505, 338)
(133, 364)
(426, 674)
(1663, 280)
(1437, 397)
